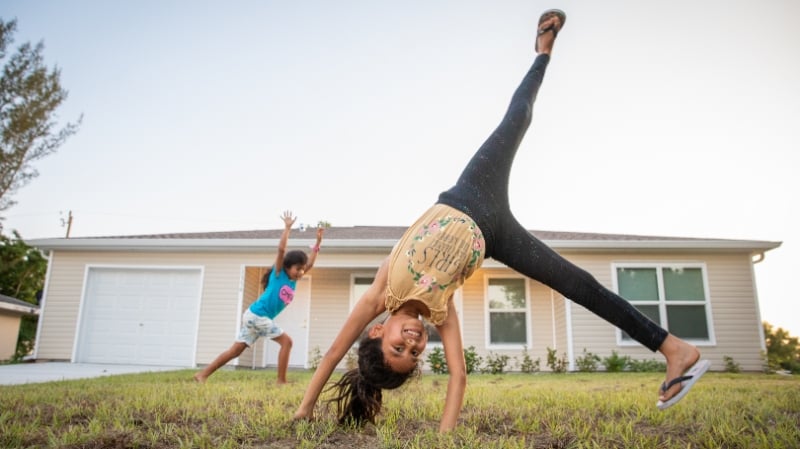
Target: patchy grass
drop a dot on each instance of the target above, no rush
(245, 409)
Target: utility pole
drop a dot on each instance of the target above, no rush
(67, 223)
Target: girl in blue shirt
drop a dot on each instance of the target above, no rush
(279, 285)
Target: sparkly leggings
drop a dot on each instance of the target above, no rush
(482, 193)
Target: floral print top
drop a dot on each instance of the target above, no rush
(434, 257)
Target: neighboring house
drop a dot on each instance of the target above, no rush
(176, 299)
(11, 312)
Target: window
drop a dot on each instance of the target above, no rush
(508, 311)
(360, 286)
(674, 296)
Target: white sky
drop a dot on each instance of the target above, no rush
(673, 118)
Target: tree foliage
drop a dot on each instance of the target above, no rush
(783, 350)
(30, 93)
(22, 269)
(22, 272)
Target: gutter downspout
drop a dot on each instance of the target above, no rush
(570, 343)
(761, 335)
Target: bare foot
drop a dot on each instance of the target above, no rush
(680, 357)
(550, 23)
(199, 378)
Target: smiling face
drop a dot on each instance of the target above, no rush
(404, 339)
(296, 272)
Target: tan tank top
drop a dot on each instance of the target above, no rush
(434, 257)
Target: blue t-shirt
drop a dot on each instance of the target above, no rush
(278, 295)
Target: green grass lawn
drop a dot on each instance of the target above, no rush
(245, 409)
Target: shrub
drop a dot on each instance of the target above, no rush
(436, 361)
(495, 363)
(557, 365)
(528, 365)
(315, 358)
(646, 366)
(587, 363)
(616, 363)
(472, 359)
(351, 359)
(730, 365)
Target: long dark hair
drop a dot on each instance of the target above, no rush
(358, 393)
(293, 257)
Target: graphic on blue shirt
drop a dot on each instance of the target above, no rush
(278, 295)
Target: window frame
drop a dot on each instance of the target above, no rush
(663, 304)
(487, 315)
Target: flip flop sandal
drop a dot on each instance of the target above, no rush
(688, 379)
(562, 17)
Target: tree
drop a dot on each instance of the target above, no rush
(783, 350)
(30, 93)
(22, 272)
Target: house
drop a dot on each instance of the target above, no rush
(176, 299)
(11, 312)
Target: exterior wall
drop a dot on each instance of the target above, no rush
(9, 333)
(473, 319)
(330, 306)
(219, 308)
(733, 311)
(230, 283)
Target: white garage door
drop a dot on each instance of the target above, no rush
(140, 316)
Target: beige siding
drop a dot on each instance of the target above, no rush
(589, 331)
(218, 309)
(733, 309)
(9, 332)
(730, 280)
(474, 316)
(330, 306)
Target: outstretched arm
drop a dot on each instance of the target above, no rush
(288, 221)
(314, 250)
(369, 306)
(454, 355)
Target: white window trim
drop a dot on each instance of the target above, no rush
(662, 305)
(352, 285)
(487, 322)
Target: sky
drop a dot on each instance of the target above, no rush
(670, 118)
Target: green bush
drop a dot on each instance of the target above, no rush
(472, 359)
(646, 366)
(616, 363)
(587, 363)
(783, 350)
(495, 363)
(315, 358)
(557, 365)
(731, 366)
(528, 365)
(351, 359)
(436, 361)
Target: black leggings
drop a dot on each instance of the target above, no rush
(482, 193)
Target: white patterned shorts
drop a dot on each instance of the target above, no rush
(254, 326)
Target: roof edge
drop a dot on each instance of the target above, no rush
(246, 245)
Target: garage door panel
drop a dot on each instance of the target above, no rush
(130, 315)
